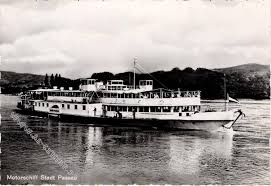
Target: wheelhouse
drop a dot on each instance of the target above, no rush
(115, 85)
(88, 84)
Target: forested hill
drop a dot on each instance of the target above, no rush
(208, 81)
(13, 82)
(244, 81)
(248, 81)
(250, 69)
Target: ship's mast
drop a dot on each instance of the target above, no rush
(134, 72)
(225, 94)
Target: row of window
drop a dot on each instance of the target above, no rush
(149, 94)
(121, 87)
(116, 82)
(69, 94)
(153, 109)
(133, 108)
(175, 94)
(145, 82)
(68, 106)
(87, 82)
(41, 104)
(74, 106)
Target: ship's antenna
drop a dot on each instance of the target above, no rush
(134, 72)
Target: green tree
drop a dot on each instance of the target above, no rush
(52, 80)
(46, 80)
(56, 80)
(60, 81)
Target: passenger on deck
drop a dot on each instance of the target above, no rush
(104, 112)
(134, 112)
(119, 115)
(94, 110)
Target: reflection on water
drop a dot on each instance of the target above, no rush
(114, 155)
(134, 156)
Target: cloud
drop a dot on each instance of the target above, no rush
(79, 38)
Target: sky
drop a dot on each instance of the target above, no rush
(77, 39)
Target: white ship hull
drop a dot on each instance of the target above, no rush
(199, 121)
(200, 125)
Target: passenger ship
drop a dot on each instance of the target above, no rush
(117, 104)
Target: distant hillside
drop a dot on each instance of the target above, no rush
(12, 82)
(243, 81)
(250, 69)
(21, 78)
(208, 81)
(248, 81)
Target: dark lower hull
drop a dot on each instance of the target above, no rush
(104, 121)
(96, 120)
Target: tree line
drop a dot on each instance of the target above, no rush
(57, 80)
(240, 84)
(209, 82)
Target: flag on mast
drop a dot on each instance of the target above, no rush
(232, 99)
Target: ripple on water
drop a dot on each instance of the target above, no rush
(111, 155)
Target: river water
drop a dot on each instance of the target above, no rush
(114, 155)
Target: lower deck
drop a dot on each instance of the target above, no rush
(129, 112)
(183, 124)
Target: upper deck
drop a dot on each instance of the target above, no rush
(115, 92)
(114, 86)
(153, 97)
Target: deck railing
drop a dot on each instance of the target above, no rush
(151, 94)
(143, 95)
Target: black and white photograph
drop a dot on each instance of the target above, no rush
(135, 92)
